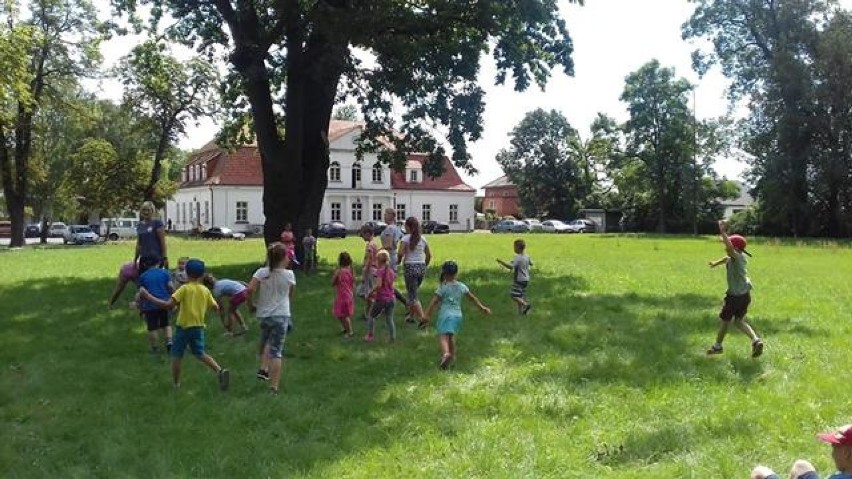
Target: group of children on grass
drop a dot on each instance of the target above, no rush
(191, 291)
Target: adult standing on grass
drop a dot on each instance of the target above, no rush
(150, 235)
(390, 240)
(841, 452)
(738, 295)
(415, 256)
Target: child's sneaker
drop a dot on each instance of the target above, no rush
(263, 375)
(526, 309)
(224, 378)
(444, 363)
(715, 349)
(368, 338)
(756, 348)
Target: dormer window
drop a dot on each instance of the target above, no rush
(414, 171)
(192, 173)
(203, 171)
(183, 175)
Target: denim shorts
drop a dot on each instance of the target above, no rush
(192, 337)
(273, 330)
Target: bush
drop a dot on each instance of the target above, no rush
(745, 222)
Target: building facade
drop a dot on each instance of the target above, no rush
(219, 188)
(501, 198)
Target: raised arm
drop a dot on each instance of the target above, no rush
(504, 264)
(723, 232)
(478, 303)
(428, 255)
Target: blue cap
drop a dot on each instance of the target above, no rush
(195, 268)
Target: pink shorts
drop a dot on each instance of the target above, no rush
(239, 298)
(128, 271)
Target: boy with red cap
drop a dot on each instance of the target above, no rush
(841, 452)
(738, 296)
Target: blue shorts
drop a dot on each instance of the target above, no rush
(192, 337)
(449, 325)
(273, 330)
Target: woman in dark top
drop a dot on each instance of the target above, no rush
(150, 235)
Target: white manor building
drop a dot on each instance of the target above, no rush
(219, 188)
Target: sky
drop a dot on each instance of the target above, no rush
(612, 38)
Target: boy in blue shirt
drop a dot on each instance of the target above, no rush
(156, 281)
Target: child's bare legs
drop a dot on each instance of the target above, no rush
(723, 331)
(119, 288)
(264, 357)
(210, 362)
(415, 309)
(176, 371)
(153, 339)
(521, 303)
(168, 333)
(275, 366)
(746, 328)
(448, 350)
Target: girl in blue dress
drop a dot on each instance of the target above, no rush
(449, 296)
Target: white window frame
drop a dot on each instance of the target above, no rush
(356, 170)
(400, 212)
(426, 213)
(357, 211)
(377, 173)
(334, 172)
(412, 177)
(454, 213)
(378, 211)
(242, 213)
(336, 210)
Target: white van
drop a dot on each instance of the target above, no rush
(119, 228)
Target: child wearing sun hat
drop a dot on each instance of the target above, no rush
(841, 452)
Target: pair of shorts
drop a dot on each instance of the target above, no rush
(365, 288)
(519, 289)
(273, 330)
(414, 273)
(239, 298)
(156, 319)
(449, 325)
(735, 306)
(192, 337)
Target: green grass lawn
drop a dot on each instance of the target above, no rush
(606, 377)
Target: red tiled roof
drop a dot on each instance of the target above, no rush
(450, 180)
(243, 167)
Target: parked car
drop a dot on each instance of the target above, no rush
(119, 228)
(582, 226)
(57, 230)
(79, 234)
(376, 226)
(533, 224)
(555, 226)
(331, 230)
(510, 226)
(435, 227)
(220, 232)
(32, 231)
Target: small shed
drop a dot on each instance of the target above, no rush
(606, 220)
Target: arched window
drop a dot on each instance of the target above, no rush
(377, 172)
(334, 171)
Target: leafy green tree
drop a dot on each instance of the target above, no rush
(346, 113)
(549, 164)
(56, 44)
(169, 92)
(763, 47)
(660, 134)
(290, 60)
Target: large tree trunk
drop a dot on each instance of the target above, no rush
(156, 171)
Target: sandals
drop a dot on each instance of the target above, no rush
(756, 348)
(444, 363)
(715, 349)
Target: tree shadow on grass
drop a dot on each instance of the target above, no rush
(88, 365)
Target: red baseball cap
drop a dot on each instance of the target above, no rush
(738, 242)
(841, 436)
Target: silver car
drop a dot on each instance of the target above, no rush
(79, 234)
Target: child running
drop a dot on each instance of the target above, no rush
(383, 297)
(273, 285)
(344, 300)
(127, 273)
(194, 299)
(738, 296)
(156, 281)
(449, 295)
(520, 266)
(237, 292)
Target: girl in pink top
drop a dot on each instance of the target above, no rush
(127, 273)
(383, 297)
(344, 301)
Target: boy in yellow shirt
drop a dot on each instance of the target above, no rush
(194, 299)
